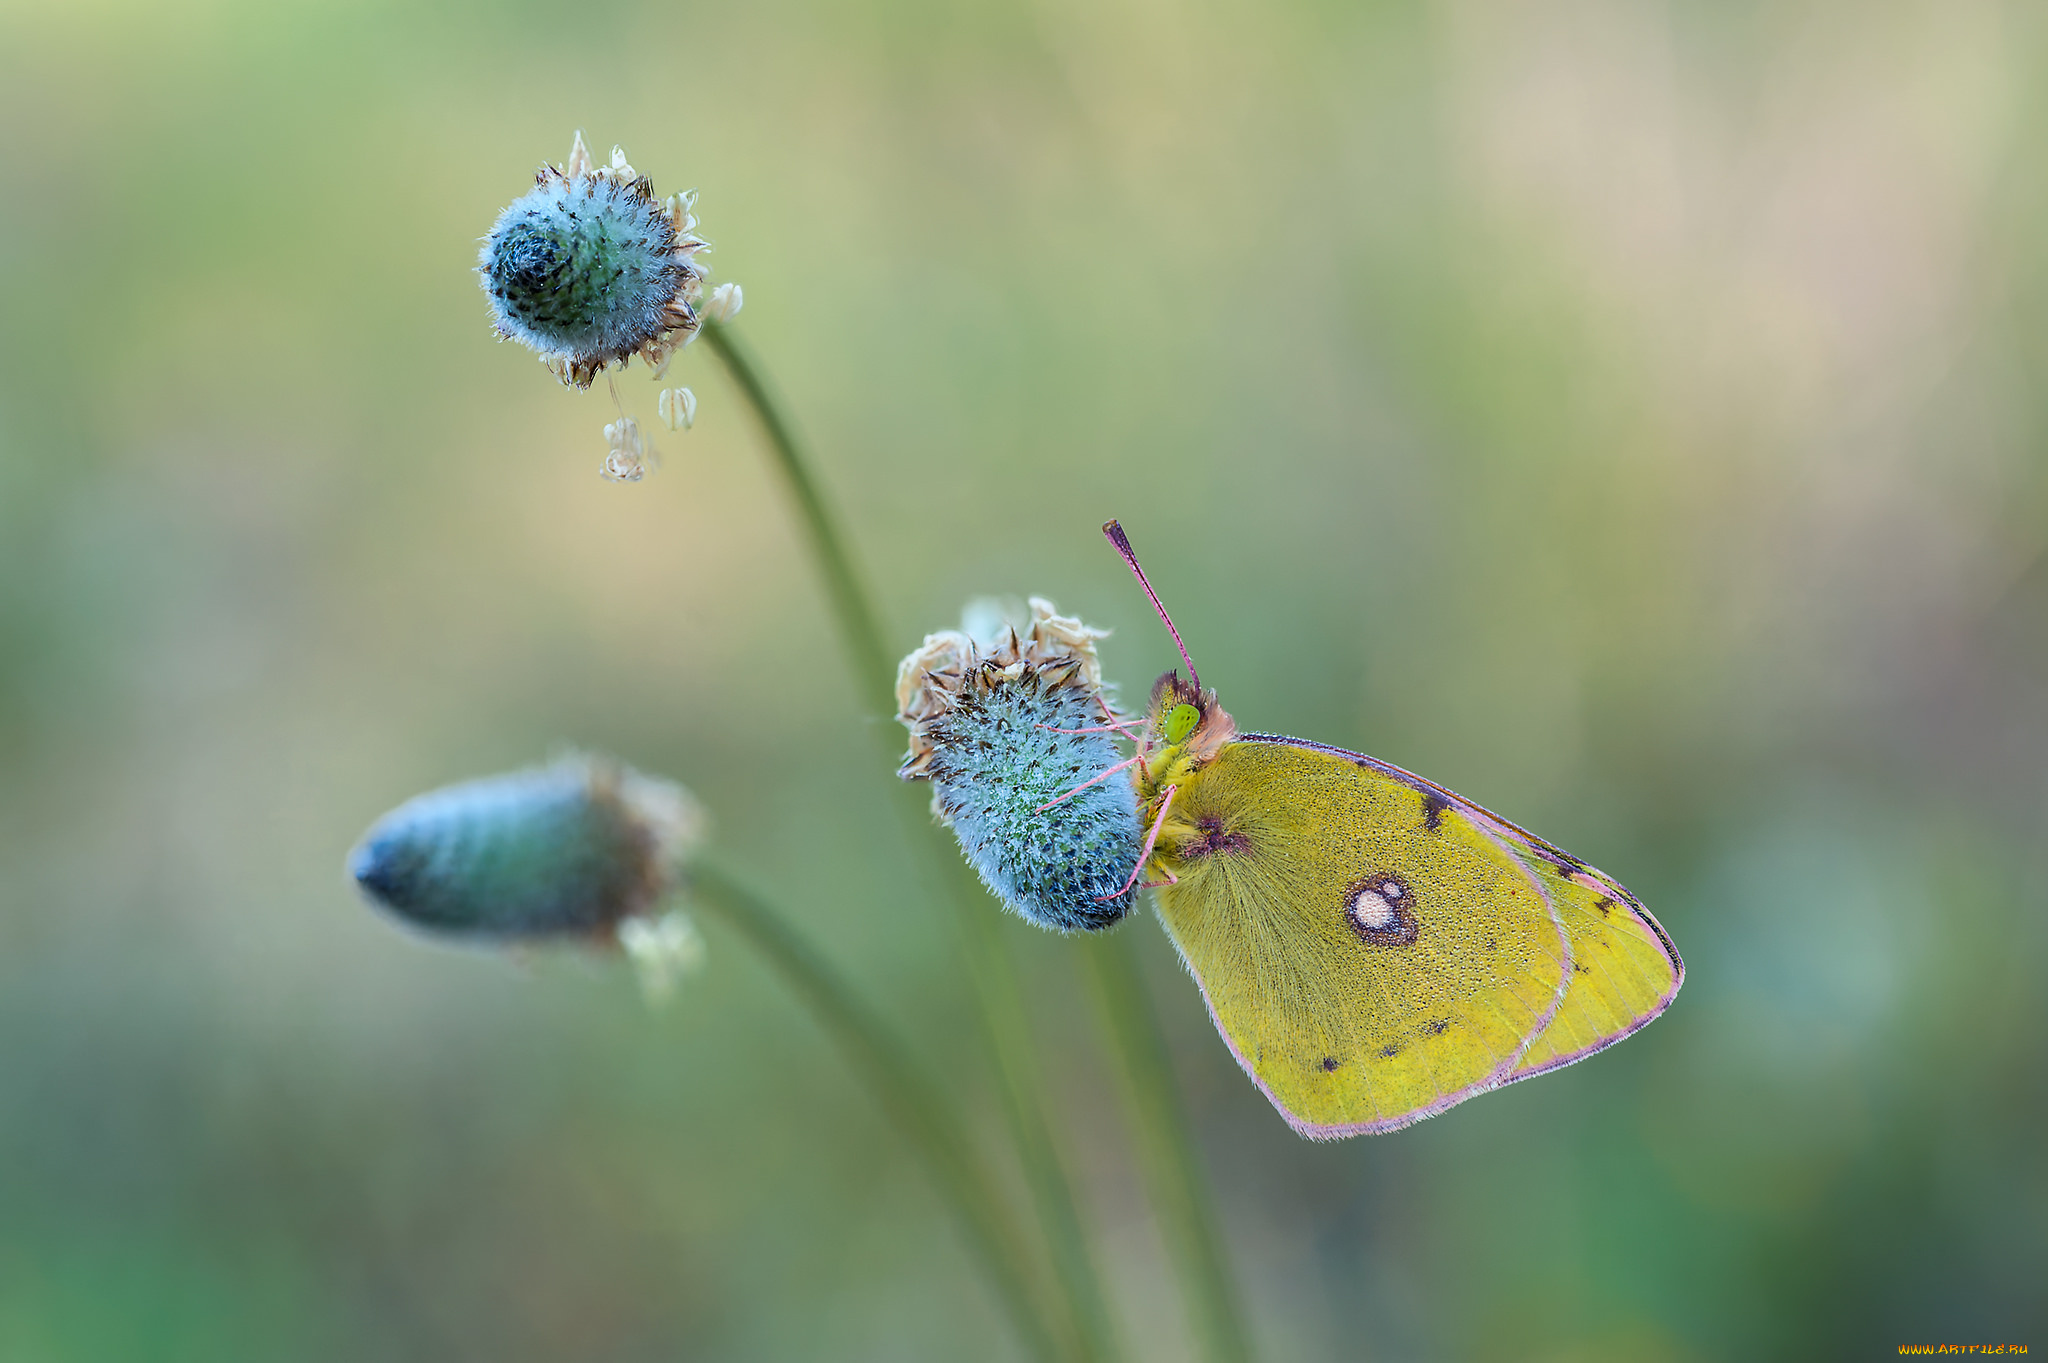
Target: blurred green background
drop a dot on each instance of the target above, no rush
(1629, 414)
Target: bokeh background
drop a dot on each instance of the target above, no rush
(1629, 414)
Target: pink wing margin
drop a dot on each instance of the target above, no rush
(1566, 865)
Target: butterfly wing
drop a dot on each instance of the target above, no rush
(1375, 949)
(1625, 971)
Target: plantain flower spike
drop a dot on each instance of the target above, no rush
(1009, 722)
(584, 849)
(589, 269)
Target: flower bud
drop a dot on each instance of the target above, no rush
(991, 727)
(576, 849)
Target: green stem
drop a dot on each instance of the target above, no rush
(1173, 1172)
(994, 974)
(910, 1100)
(1009, 1025)
(859, 626)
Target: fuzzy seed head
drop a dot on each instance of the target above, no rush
(589, 269)
(573, 849)
(982, 718)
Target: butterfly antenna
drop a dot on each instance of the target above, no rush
(1116, 535)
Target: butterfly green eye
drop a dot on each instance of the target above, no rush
(1180, 722)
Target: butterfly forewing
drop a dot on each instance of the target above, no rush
(1372, 952)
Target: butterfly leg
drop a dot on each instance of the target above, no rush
(1127, 762)
(1098, 729)
(1145, 853)
(1115, 725)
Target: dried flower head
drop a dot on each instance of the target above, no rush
(589, 269)
(1012, 730)
(579, 848)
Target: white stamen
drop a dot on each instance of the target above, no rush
(628, 461)
(724, 303)
(662, 950)
(678, 408)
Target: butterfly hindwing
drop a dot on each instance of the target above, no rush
(1625, 970)
(1372, 956)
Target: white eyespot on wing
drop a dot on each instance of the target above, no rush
(1381, 909)
(1373, 907)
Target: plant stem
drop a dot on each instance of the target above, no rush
(1172, 1165)
(860, 629)
(1022, 1085)
(908, 1097)
(1089, 1332)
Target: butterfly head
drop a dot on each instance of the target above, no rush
(1185, 729)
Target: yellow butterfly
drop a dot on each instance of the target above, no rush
(1373, 948)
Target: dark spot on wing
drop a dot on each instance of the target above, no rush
(1390, 1050)
(1436, 1026)
(1212, 838)
(1606, 906)
(1329, 1063)
(1581, 968)
(1433, 807)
